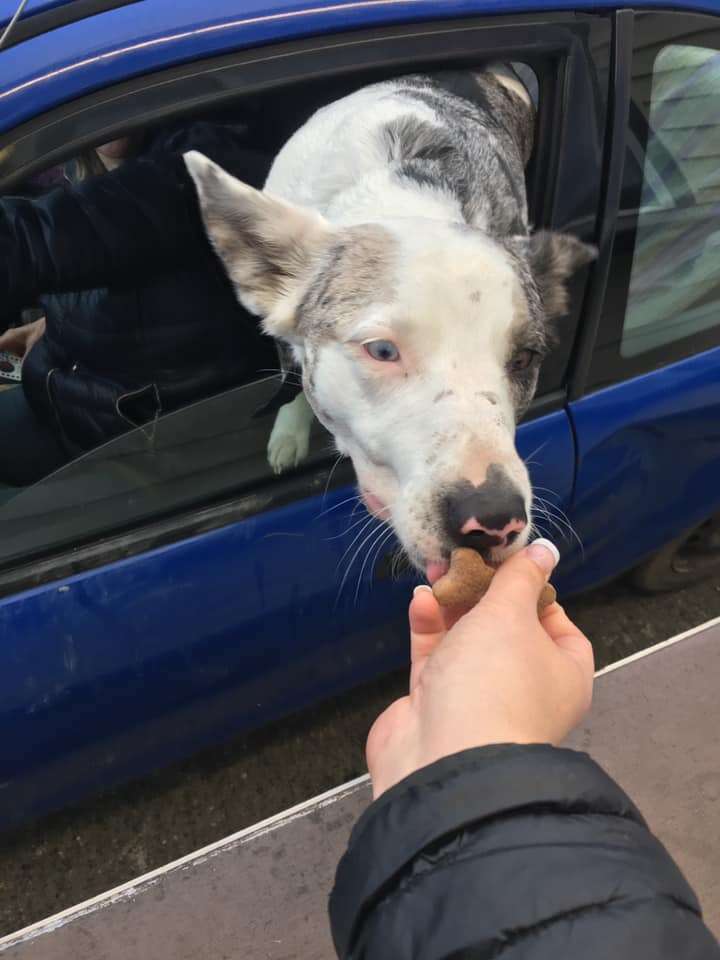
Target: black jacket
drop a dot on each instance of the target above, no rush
(141, 318)
(514, 853)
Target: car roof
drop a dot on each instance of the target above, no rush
(128, 38)
(8, 8)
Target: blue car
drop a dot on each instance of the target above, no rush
(166, 590)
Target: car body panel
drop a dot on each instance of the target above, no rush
(122, 669)
(113, 672)
(649, 452)
(8, 8)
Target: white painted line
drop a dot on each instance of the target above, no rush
(131, 887)
(715, 622)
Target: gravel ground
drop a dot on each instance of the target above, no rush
(69, 857)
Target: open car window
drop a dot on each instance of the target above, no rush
(212, 450)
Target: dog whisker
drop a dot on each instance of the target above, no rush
(560, 521)
(345, 532)
(382, 547)
(358, 551)
(399, 558)
(537, 450)
(285, 374)
(338, 505)
(330, 476)
(383, 537)
(369, 520)
(547, 490)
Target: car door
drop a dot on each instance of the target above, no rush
(647, 424)
(166, 590)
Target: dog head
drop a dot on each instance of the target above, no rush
(420, 344)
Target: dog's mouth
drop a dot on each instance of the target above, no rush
(434, 569)
(374, 504)
(486, 546)
(438, 568)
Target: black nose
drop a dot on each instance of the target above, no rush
(490, 515)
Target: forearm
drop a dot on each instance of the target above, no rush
(484, 848)
(139, 220)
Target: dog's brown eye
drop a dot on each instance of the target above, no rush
(522, 360)
(383, 350)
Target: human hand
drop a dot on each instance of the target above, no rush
(497, 675)
(20, 340)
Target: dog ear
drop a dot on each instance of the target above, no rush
(553, 258)
(265, 244)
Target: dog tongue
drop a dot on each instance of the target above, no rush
(436, 570)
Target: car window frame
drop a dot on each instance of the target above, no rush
(34, 24)
(539, 40)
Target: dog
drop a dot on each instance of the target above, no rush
(390, 252)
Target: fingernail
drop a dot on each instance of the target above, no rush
(544, 553)
(421, 586)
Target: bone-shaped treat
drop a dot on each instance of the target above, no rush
(468, 579)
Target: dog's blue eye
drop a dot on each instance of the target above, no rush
(383, 350)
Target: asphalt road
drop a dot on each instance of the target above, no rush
(69, 857)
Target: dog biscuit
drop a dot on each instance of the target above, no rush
(468, 579)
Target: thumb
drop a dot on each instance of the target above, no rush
(427, 629)
(521, 578)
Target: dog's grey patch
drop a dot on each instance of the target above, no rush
(354, 272)
(529, 317)
(308, 369)
(442, 395)
(553, 258)
(259, 260)
(522, 387)
(530, 331)
(477, 150)
(409, 138)
(523, 394)
(476, 296)
(487, 395)
(465, 228)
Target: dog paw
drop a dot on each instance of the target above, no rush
(289, 441)
(285, 451)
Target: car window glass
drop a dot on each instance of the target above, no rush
(101, 348)
(155, 448)
(213, 448)
(674, 287)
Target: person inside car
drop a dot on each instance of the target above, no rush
(485, 839)
(139, 316)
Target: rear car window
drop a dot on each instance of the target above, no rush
(674, 287)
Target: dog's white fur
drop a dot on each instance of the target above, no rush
(334, 165)
(448, 296)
